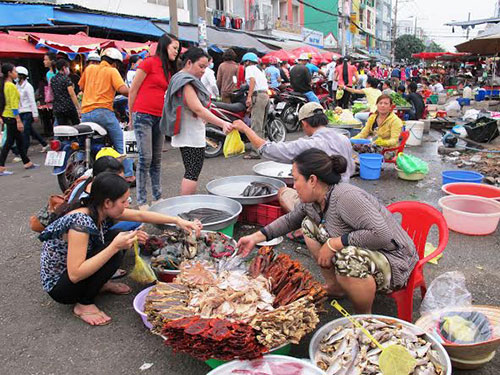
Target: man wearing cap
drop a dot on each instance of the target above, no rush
(99, 84)
(313, 120)
(300, 79)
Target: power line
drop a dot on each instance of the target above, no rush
(318, 9)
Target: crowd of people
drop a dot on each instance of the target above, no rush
(360, 248)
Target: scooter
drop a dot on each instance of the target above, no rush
(290, 113)
(73, 151)
(274, 129)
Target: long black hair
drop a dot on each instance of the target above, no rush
(345, 70)
(327, 169)
(169, 67)
(105, 186)
(53, 58)
(6, 69)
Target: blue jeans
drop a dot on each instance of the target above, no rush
(108, 121)
(362, 116)
(311, 96)
(28, 132)
(150, 144)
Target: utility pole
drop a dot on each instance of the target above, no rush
(415, 33)
(394, 33)
(468, 27)
(202, 24)
(344, 13)
(173, 22)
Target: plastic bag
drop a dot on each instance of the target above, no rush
(233, 145)
(339, 94)
(446, 290)
(142, 272)
(411, 164)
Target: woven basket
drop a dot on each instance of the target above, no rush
(470, 352)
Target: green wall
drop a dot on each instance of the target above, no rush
(320, 21)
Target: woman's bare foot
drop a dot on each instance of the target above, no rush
(116, 288)
(91, 315)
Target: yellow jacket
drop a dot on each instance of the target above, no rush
(388, 133)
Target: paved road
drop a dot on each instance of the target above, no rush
(42, 337)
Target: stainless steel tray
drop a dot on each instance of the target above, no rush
(184, 203)
(274, 169)
(232, 187)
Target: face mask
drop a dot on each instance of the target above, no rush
(16, 80)
(211, 66)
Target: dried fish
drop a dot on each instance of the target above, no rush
(345, 350)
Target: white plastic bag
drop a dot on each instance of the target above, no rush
(447, 290)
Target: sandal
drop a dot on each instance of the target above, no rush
(126, 291)
(99, 313)
(118, 274)
(251, 156)
(6, 173)
(299, 239)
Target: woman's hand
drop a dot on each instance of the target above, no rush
(227, 127)
(130, 125)
(240, 126)
(142, 236)
(20, 125)
(246, 245)
(325, 256)
(189, 226)
(249, 102)
(125, 240)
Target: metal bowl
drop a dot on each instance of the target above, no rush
(273, 169)
(444, 359)
(184, 203)
(232, 187)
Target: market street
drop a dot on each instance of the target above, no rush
(40, 336)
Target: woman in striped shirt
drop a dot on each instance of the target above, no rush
(356, 241)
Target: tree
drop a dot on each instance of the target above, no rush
(434, 47)
(406, 45)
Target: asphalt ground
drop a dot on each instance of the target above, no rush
(39, 336)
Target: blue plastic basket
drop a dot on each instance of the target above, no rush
(360, 141)
(463, 101)
(461, 176)
(370, 166)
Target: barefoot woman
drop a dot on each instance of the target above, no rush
(76, 264)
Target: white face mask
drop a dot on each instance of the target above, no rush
(211, 66)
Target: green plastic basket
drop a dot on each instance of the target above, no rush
(283, 350)
(228, 231)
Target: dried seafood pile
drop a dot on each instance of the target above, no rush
(196, 274)
(235, 296)
(286, 324)
(256, 189)
(209, 338)
(172, 247)
(289, 279)
(166, 302)
(346, 350)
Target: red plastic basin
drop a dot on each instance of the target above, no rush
(468, 188)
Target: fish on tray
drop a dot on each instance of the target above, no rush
(257, 189)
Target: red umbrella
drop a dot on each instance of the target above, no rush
(329, 56)
(280, 54)
(306, 49)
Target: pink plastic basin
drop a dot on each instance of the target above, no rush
(468, 188)
(470, 215)
(139, 301)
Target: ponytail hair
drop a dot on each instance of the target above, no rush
(327, 169)
(105, 186)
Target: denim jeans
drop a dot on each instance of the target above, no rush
(311, 96)
(362, 116)
(150, 144)
(108, 121)
(28, 132)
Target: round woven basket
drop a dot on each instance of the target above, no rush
(469, 352)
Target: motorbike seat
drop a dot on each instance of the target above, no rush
(98, 129)
(231, 107)
(65, 131)
(84, 129)
(295, 93)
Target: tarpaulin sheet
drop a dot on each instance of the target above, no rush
(119, 23)
(25, 14)
(13, 47)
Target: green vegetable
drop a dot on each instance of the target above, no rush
(399, 101)
(359, 107)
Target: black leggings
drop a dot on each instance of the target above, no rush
(13, 135)
(67, 118)
(85, 291)
(344, 101)
(193, 158)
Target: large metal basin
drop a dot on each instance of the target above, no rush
(232, 187)
(184, 203)
(272, 169)
(444, 359)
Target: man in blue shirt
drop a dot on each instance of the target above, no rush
(273, 74)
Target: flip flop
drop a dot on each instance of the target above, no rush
(299, 239)
(118, 274)
(80, 316)
(128, 291)
(32, 166)
(6, 173)
(251, 156)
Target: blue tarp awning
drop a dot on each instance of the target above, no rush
(25, 14)
(119, 23)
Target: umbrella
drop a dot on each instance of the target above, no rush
(280, 54)
(329, 56)
(487, 45)
(306, 49)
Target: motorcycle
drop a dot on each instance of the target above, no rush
(73, 151)
(293, 101)
(274, 129)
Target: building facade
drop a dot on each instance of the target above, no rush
(383, 27)
(409, 27)
(327, 24)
